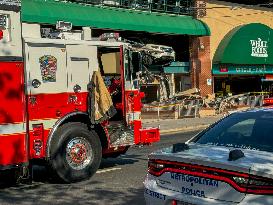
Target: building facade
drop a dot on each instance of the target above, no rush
(240, 47)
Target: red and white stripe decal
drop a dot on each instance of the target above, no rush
(12, 114)
(13, 144)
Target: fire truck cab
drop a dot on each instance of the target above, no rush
(44, 107)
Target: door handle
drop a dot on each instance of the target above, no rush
(36, 83)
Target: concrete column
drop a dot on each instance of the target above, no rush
(87, 33)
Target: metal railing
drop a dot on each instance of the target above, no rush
(179, 7)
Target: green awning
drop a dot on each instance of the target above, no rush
(177, 67)
(49, 12)
(250, 44)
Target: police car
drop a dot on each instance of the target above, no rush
(231, 162)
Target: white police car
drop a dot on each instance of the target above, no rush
(231, 162)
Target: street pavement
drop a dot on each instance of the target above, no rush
(118, 181)
(178, 125)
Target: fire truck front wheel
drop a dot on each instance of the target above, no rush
(75, 152)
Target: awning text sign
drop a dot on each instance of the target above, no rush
(259, 48)
(242, 69)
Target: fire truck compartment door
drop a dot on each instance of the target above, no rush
(132, 95)
(46, 82)
(81, 62)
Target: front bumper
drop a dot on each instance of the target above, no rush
(145, 135)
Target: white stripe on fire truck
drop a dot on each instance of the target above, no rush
(47, 123)
(133, 116)
(12, 128)
(15, 128)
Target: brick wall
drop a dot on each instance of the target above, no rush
(200, 63)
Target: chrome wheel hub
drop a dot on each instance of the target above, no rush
(78, 153)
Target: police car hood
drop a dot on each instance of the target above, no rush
(254, 162)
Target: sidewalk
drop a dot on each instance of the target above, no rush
(178, 125)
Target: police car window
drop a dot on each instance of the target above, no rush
(244, 127)
(253, 130)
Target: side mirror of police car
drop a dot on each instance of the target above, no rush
(36, 83)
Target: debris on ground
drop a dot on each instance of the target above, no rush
(190, 104)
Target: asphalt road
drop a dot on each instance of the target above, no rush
(119, 181)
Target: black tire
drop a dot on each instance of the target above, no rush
(68, 138)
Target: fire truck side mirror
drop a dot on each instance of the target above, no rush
(36, 83)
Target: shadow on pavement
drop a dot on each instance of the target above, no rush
(46, 190)
(119, 161)
(80, 193)
(87, 192)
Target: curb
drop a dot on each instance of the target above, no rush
(189, 128)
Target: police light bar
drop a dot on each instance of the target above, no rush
(64, 26)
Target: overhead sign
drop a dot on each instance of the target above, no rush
(259, 48)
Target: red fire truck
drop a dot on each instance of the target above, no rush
(44, 109)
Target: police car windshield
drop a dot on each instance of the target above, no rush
(247, 130)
